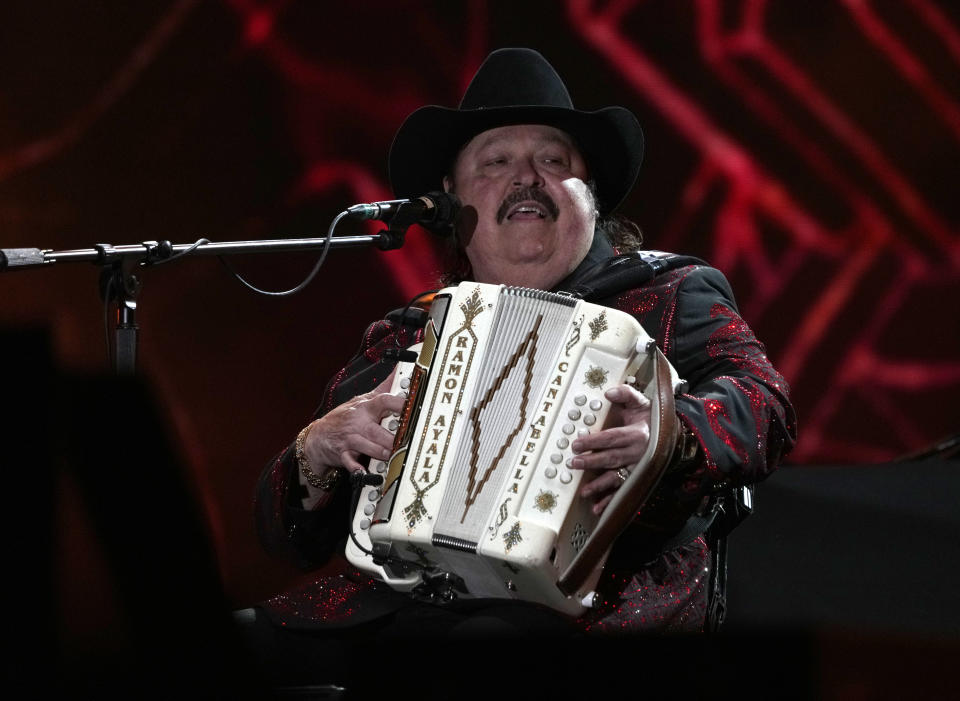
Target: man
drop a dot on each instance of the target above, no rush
(538, 180)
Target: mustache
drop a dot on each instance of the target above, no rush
(531, 194)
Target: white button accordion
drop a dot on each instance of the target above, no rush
(478, 488)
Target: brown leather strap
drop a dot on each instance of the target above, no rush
(634, 493)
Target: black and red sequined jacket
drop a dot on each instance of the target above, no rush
(736, 405)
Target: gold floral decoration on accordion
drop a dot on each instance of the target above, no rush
(595, 377)
(545, 501)
(512, 537)
(416, 510)
(471, 307)
(598, 325)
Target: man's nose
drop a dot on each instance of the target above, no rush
(527, 174)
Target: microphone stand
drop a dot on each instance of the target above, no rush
(120, 284)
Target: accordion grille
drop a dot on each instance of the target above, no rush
(525, 338)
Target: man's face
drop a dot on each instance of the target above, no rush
(534, 212)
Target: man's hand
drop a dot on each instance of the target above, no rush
(621, 445)
(353, 429)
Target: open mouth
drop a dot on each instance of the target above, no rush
(528, 204)
(527, 210)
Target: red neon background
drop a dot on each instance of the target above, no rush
(809, 150)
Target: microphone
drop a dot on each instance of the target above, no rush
(435, 211)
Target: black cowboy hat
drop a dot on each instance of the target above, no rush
(516, 86)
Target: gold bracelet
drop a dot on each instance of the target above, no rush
(328, 480)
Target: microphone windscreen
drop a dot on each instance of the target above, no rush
(442, 213)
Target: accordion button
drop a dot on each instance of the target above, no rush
(596, 405)
(573, 414)
(563, 443)
(364, 524)
(568, 428)
(589, 419)
(565, 477)
(369, 509)
(405, 382)
(392, 426)
(381, 467)
(556, 458)
(580, 399)
(372, 495)
(550, 472)
(583, 432)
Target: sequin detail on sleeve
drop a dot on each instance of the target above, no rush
(735, 342)
(638, 302)
(655, 305)
(379, 337)
(719, 419)
(278, 494)
(328, 399)
(328, 599)
(740, 450)
(667, 596)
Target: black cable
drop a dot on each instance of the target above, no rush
(306, 281)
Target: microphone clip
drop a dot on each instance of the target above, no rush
(391, 239)
(408, 214)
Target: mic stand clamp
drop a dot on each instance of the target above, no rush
(390, 239)
(120, 286)
(392, 236)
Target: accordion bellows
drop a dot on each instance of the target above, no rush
(478, 485)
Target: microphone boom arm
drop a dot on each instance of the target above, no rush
(120, 285)
(155, 252)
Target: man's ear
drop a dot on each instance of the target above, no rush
(447, 184)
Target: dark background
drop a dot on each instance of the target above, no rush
(809, 150)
